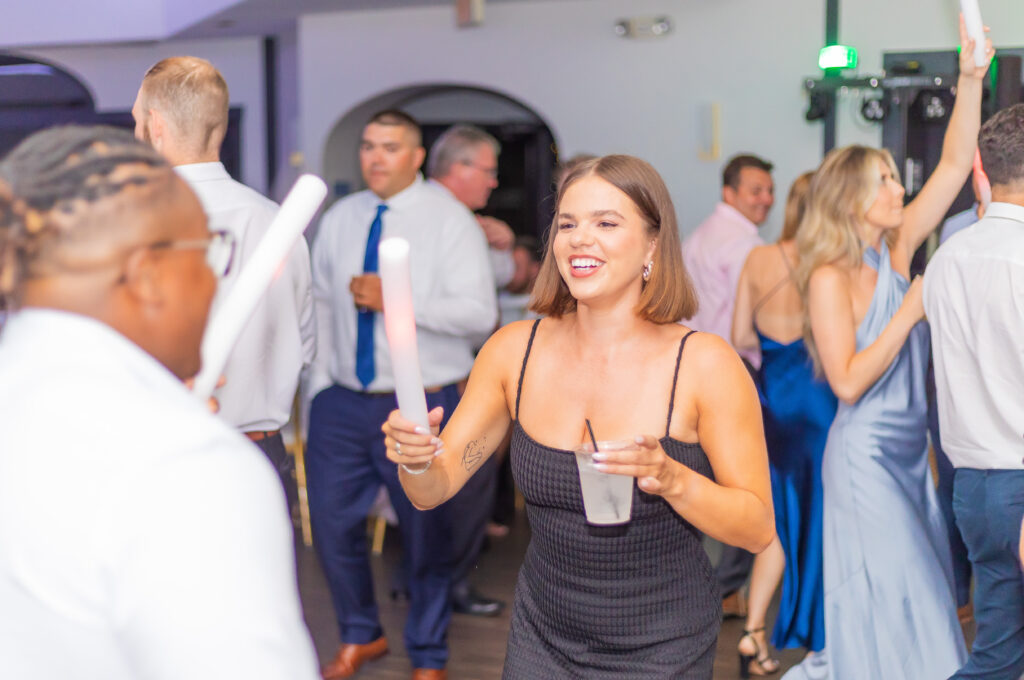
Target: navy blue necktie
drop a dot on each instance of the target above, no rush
(365, 369)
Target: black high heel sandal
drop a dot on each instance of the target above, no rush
(766, 664)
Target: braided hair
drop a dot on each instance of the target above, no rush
(51, 181)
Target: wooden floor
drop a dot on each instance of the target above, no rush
(477, 644)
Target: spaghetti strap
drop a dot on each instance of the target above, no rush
(789, 278)
(785, 260)
(522, 371)
(675, 379)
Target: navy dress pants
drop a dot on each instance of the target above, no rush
(989, 507)
(345, 466)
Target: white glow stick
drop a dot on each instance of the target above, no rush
(400, 325)
(223, 330)
(975, 29)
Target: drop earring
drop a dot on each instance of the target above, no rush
(647, 270)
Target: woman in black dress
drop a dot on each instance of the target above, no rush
(636, 600)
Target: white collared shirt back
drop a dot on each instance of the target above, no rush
(974, 300)
(280, 338)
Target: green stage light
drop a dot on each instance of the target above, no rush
(837, 56)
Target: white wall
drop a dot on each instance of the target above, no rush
(876, 26)
(604, 94)
(80, 22)
(51, 22)
(113, 74)
(598, 92)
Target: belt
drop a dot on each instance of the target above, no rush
(433, 389)
(260, 435)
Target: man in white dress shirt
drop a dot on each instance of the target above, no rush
(182, 110)
(127, 547)
(454, 301)
(973, 289)
(464, 162)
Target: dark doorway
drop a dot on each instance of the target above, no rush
(526, 166)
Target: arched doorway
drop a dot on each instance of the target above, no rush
(528, 153)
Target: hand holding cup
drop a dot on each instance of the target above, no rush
(655, 471)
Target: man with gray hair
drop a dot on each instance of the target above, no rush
(464, 160)
(182, 111)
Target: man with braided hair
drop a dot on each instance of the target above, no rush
(126, 508)
(182, 110)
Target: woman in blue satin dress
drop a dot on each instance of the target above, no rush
(798, 409)
(890, 611)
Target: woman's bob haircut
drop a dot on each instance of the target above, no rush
(667, 296)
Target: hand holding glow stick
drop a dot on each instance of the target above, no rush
(400, 326)
(223, 330)
(975, 29)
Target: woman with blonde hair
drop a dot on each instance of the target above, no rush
(798, 409)
(890, 609)
(636, 600)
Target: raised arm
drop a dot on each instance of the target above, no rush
(849, 372)
(472, 434)
(744, 337)
(927, 210)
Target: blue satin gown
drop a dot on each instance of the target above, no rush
(890, 610)
(798, 410)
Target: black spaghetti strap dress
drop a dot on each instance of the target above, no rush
(632, 601)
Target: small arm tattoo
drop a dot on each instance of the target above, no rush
(473, 454)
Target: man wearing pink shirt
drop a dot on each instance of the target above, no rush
(714, 255)
(715, 252)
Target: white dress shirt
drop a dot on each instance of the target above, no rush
(452, 285)
(503, 265)
(514, 307)
(280, 338)
(127, 514)
(974, 299)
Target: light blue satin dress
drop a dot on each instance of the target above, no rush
(890, 611)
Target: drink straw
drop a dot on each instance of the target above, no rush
(591, 431)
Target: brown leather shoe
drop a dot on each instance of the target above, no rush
(429, 674)
(351, 656)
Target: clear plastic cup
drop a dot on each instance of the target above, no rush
(607, 498)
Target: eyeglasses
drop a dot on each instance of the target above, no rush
(220, 249)
(491, 172)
